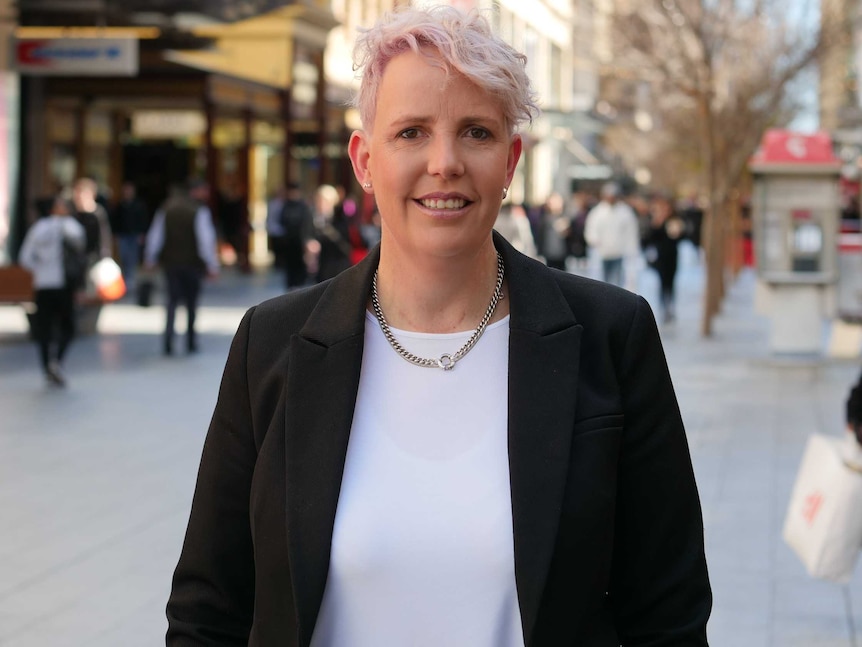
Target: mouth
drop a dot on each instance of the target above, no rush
(449, 204)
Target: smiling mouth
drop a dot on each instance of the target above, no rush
(441, 205)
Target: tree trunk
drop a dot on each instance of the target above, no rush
(722, 221)
(712, 244)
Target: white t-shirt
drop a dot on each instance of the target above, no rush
(422, 549)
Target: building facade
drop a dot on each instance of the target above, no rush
(253, 94)
(233, 92)
(840, 93)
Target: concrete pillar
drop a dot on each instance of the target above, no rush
(9, 129)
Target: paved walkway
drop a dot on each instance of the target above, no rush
(96, 480)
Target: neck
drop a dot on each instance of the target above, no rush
(438, 295)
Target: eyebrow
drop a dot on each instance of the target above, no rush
(425, 119)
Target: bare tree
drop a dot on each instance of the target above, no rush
(719, 72)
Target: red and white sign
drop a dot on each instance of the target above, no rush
(787, 147)
(76, 56)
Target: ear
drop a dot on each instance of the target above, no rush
(514, 155)
(358, 151)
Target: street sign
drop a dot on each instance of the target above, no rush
(76, 56)
(166, 124)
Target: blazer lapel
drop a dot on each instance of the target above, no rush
(322, 382)
(544, 348)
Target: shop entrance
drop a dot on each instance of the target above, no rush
(154, 167)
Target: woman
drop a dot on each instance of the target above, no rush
(363, 481)
(332, 232)
(42, 253)
(662, 251)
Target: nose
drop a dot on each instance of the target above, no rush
(444, 157)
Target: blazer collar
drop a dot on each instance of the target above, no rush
(322, 383)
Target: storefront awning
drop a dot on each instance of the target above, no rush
(259, 49)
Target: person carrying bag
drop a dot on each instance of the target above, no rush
(53, 250)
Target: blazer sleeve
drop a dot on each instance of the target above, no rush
(660, 591)
(212, 595)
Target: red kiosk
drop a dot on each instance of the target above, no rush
(796, 210)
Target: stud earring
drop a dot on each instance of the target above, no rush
(366, 185)
(505, 192)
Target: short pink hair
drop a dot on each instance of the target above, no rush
(463, 42)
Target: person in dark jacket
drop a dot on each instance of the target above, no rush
(662, 251)
(296, 225)
(93, 218)
(447, 443)
(129, 222)
(332, 233)
(182, 240)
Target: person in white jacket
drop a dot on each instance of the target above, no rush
(42, 254)
(612, 231)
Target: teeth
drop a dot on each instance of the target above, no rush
(443, 204)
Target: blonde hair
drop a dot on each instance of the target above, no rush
(325, 198)
(463, 42)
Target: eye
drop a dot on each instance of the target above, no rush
(477, 132)
(409, 133)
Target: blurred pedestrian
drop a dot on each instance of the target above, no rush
(297, 226)
(275, 227)
(129, 223)
(94, 218)
(692, 215)
(348, 209)
(746, 227)
(612, 231)
(182, 240)
(370, 230)
(447, 443)
(642, 207)
(579, 208)
(513, 225)
(553, 231)
(332, 234)
(233, 215)
(42, 252)
(662, 250)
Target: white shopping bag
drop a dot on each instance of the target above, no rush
(108, 279)
(824, 519)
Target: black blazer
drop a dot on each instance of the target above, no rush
(608, 531)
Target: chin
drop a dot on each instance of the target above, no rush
(452, 244)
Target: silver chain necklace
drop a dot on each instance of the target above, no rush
(445, 361)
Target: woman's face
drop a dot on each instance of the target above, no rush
(438, 156)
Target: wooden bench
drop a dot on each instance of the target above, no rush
(16, 286)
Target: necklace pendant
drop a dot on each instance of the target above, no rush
(446, 362)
